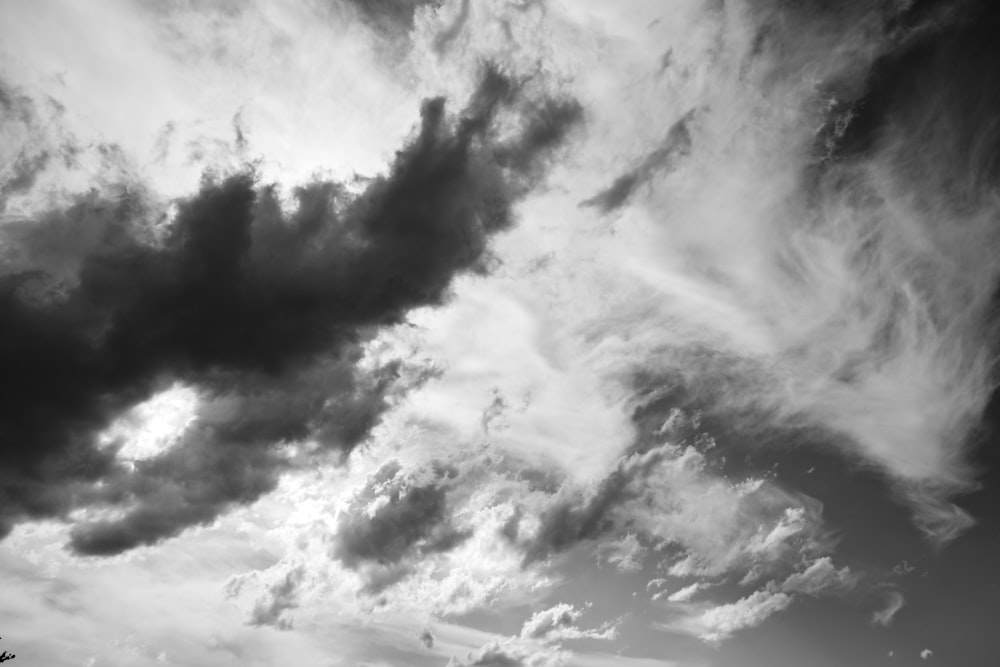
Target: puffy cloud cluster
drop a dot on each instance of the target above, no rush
(720, 621)
(559, 623)
(539, 643)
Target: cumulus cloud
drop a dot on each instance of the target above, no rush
(411, 536)
(393, 519)
(559, 623)
(720, 622)
(717, 622)
(511, 653)
(266, 312)
(820, 576)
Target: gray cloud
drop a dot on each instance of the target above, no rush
(664, 158)
(243, 301)
(412, 520)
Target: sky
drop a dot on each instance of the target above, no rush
(499, 333)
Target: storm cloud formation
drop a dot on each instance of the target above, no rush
(263, 311)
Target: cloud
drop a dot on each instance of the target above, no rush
(281, 598)
(675, 146)
(669, 496)
(266, 312)
(389, 15)
(22, 174)
(819, 577)
(559, 623)
(511, 653)
(885, 616)
(412, 536)
(720, 622)
(626, 554)
(450, 33)
(685, 594)
(427, 638)
(926, 654)
(395, 518)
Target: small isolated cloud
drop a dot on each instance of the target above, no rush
(626, 554)
(926, 654)
(894, 602)
(427, 638)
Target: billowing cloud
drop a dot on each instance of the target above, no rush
(559, 623)
(264, 311)
(719, 622)
(772, 241)
(394, 519)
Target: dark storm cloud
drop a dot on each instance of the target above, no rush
(263, 311)
(675, 146)
(412, 520)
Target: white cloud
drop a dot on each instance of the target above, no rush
(559, 623)
(926, 654)
(720, 622)
(626, 554)
(685, 594)
(512, 653)
(713, 255)
(821, 576)
(894, 602)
